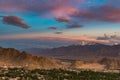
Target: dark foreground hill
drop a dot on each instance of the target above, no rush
(13, 57)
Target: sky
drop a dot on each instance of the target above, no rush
(54, 23)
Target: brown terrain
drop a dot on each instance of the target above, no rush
(108, 58)
(13, 57)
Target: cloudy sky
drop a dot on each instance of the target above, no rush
(66, 21)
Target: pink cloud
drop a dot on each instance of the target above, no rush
(64, 11)
(48, 37)
(103, 13)
(12, 7)
(90, 39)
(56, 7)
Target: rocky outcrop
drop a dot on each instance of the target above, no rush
(111, 63)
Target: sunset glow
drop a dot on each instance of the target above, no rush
(74, 20)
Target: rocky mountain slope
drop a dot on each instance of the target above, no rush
(13, 57)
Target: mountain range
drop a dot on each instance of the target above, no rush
(85, 52)
(95, 57)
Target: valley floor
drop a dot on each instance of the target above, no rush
(55, 74)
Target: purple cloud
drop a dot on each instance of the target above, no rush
(74, 25)
(102, 13)
(15, 21)
(53, 27)
(59, 32)
(39, 7)
(62, 19)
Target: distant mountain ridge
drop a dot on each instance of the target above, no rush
(73, 51)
